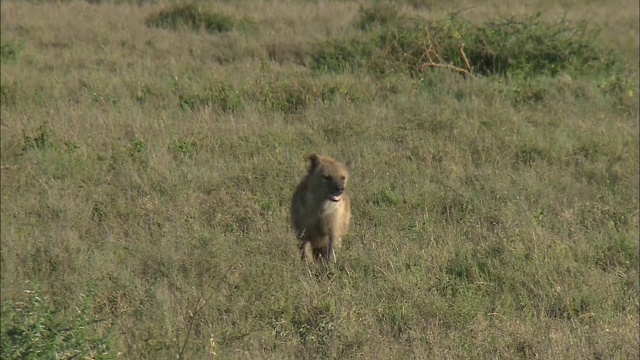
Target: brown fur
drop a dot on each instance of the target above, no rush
(321, 209)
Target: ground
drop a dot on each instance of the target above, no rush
(148, 161)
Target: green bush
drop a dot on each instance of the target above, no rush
(192, 16)
(35, 329)
(522, 48)
(531, 46)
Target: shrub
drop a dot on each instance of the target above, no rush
(531, 46)
(517, 48)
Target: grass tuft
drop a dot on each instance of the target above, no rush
(10, 50)
(219, 96)
(193, 16)
(378, 15)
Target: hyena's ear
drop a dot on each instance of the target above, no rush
(314, 161)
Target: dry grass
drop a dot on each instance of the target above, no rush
(146, 175)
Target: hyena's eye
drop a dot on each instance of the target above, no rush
(326, 178)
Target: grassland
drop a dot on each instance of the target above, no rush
(148, 160)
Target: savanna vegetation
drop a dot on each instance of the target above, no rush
(149, 151)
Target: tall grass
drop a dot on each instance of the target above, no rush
(147, 168)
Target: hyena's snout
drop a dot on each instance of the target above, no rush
(336, 190)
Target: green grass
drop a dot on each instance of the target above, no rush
(37, 329)
(147, 168)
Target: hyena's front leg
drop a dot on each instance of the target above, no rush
(306, 251)
(330, 253)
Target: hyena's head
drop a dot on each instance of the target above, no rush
(328, 177)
